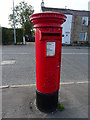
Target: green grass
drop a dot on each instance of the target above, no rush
(60, 107)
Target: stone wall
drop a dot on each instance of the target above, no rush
(77, 28)
(89, 6)
(89, 29)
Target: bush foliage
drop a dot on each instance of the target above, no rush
(8, 36)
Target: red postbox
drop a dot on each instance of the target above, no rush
(48, 41)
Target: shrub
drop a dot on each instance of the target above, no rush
(19, 35)
(8, 36)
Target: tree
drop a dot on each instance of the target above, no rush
(22, 13)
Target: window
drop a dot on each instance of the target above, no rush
(83, 36)
(85, 21)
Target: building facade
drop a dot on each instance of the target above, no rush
(89, 6)
(77, 27)
(66, 31)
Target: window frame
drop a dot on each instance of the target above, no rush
(86, 19)
(85, 36)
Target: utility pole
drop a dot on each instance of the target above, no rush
(14, 24)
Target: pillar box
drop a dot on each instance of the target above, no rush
(48, 43)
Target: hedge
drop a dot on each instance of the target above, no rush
(8, 35)
(19, 35)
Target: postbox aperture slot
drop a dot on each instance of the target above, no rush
(50, 35)
(50, 48)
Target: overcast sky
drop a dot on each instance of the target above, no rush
(6, 5)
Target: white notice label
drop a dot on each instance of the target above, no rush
(50, 48)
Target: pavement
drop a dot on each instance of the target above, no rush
(18, 83)
(20, 102)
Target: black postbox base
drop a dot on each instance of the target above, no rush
(47, 102)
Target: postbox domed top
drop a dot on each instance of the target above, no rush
(48, 19)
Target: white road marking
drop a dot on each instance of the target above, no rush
(6, 86)
(27, 85)
(30, 53)
(76, 53)
(67, 83)
(30, 85)
(8, 62)
(81, 82)
(16, 53)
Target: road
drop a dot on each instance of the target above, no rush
(18, 64)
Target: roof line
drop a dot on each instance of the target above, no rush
(66, 9)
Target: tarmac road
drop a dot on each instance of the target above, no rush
(18, 64)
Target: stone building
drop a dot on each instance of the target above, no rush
(80, 26)
(89, 6)
(89, 22)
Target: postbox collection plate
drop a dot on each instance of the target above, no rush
(50, 48)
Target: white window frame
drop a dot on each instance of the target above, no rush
(85, 20)
(83, 37)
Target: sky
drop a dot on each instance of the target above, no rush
(6, 5)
